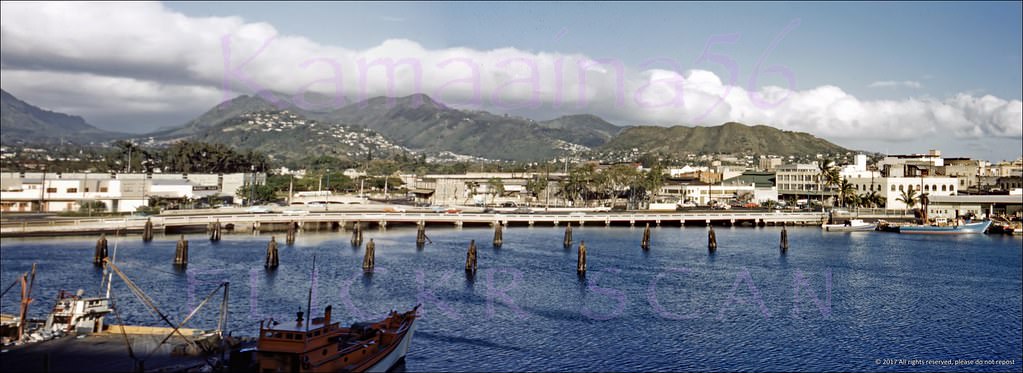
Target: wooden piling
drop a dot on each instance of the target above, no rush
(290, 238)
(368, 259)
(215, 231)
(784, 245)
(498, 235)
(421, 234)
(272, 256)
(712, 240)
(181, 253)
(101, 250)
(357, 234)
(645, 244)
(580, 265)
(470, 258)
(568, 235)
(147, 232)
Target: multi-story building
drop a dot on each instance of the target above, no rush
(801, 180)
(969, 172)
(911, 165)
(769, 163)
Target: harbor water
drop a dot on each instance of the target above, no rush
(833, 302)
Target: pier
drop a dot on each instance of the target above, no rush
(332, 221)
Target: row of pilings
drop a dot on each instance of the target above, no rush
(272, 259)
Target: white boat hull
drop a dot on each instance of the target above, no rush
(397, 355)
(848, 228)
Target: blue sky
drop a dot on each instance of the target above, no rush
(886, 77)
(947, 47)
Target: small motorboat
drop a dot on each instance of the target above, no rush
(852, 225)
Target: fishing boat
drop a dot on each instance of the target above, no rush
(853, 225)
(966, 228)
(325, 346)
(75, 314)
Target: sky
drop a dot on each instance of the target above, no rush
(884, 77)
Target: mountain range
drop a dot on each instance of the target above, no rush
(416, 123)
(21, 122)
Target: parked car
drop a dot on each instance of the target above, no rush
(523, 210)
(395, 209)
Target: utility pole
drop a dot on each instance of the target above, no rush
(252, 183)
(42, 192)
(547, 186)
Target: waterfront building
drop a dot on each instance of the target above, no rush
(757, 187)
(56, 192)
(474, 188)
(980, 206)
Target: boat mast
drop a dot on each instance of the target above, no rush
(110, 274)
(309, 300)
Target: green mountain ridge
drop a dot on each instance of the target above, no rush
(21, 122)
(730, 137)
(290, 136)
(416, 123)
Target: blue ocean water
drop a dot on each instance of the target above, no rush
(833, 302)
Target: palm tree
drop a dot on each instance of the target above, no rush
(845, 190)
(872, 199)
(828, 176)
(472, 187)
(908, 197)
(654, 180)
(853, 200)
(579, 184)
(535, 186)
(495, 187)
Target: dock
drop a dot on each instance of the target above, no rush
(270, 222)
(103, 352)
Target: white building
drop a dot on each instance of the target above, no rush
(56, 192)
(891, 188)
(801, 179)
(703, 194)
(678, 171)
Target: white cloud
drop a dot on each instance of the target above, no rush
(896, 84)
(134, 59)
